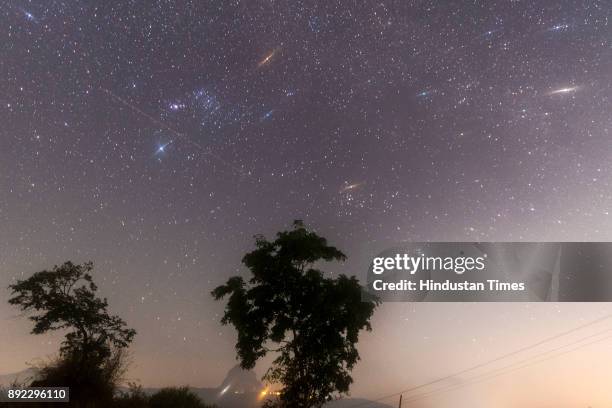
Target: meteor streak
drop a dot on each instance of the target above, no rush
(350, 187)
(564, 90)
(267, 58)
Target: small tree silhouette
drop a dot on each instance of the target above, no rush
(92, 357)
(313, 321)
(65, 298)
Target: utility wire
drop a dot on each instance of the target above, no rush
(486, 363)
(512, 367)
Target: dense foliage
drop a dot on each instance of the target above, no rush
(290, 308)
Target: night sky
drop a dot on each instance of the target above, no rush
(155, 138)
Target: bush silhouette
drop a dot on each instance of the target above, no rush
(135, 397)
(176, 398)
(93, 386)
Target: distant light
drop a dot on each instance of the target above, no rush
(224, 390)
(263, 393)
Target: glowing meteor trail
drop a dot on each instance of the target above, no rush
(267, 58)
(175, 132)
(564, 90)
(350, 187)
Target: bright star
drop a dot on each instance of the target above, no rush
(267, 115)
(29, 16)
(162, 148)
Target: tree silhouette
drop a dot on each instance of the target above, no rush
(290, 308)
(65, 298)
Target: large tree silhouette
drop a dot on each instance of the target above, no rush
(290, 308)
(64, 298)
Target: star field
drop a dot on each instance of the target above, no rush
(156, 138)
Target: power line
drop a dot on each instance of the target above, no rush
(512, 367)
(486, 363)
